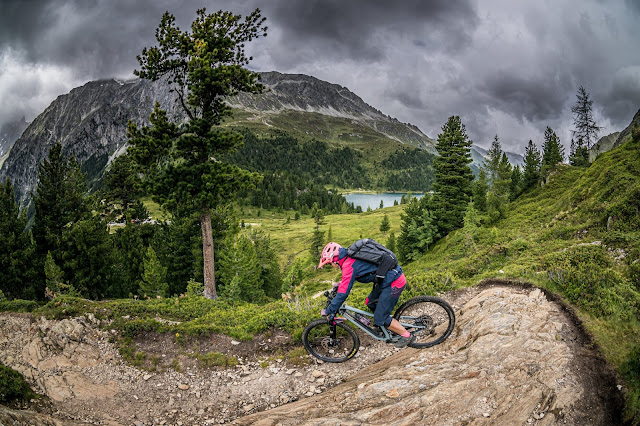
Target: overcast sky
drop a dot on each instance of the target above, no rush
(506, 67)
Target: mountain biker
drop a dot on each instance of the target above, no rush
(381, 300)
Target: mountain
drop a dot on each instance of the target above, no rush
(91, 122)
(479, 154)
(606, 143)
(9, 133)
(614, 140)
(290, 95)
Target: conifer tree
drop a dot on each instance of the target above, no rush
(16, 250)
(532, 162)
(515, 188)
(453, 177)
(499, 194)
(88, 257)
(552, 150)
(391, 241)
(471, 222)
(586, 128)
(385, 225)
(578, 154)
(154, 278)
(185, 165)
(122, 186)
(240, 270)
(270, 275)
(480, 189)
(59, 202)
(492, 161)
(417, 231)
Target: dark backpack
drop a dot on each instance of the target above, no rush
(371, 251)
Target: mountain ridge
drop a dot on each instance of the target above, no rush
(91, 121)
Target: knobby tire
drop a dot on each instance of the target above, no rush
(432, 313)
(317, 340)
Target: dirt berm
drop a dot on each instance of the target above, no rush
(515, 358)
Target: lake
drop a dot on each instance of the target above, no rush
(373, 200)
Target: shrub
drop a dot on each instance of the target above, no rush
(430, 283)
(13, 386)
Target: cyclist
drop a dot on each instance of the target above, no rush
(383, 296)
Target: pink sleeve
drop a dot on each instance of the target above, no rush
(347, 275)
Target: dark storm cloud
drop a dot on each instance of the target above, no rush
(505, 67)
(367, 29)
(98, 38)
(536, 99)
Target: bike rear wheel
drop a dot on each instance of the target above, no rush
(330, 343)
(429, 318)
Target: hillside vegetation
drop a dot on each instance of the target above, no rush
(578, 235)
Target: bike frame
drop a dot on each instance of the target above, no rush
(348, 312)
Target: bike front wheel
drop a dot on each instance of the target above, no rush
(429, 318)
(330, 343)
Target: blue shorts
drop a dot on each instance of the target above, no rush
(382, 300)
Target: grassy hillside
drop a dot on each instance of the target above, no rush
(579, 236)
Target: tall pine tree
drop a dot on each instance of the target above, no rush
(552, 150)
(59, 202)
(453, 177)
(16, 251)
(186, 164)
(491, 162)
(586, 128)
(532, 162)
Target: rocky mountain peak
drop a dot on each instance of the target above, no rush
(91, 121)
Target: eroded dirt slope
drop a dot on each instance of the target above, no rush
(514, 358)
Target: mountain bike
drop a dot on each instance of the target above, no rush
(430, 319)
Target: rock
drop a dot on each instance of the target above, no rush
(183, 387)
(235, 343)
(318, 373)
(393, 393)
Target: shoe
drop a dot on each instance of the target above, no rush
(404, 341)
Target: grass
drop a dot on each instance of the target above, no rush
(577, 236)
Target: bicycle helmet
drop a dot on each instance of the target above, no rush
(329, 252)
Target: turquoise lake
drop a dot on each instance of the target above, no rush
(373, 200)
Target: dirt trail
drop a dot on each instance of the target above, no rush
(515, 357)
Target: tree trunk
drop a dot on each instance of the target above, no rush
(207, 254)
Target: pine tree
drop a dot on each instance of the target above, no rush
(385, 225)
(239, 262)
(60, 201)
(417, 231)
(270, 274)
(578, 154)
(453, 177)
(492, 161)
(204, 67)
(586, 128)
(16, 250)
(88, 257)
(480, 189)
(154, 278)
(471, 222)
(121, 187)
(532, 162)
(499, 194)
(391, 241)
(515, 188)
(552, 150)
(130, 245)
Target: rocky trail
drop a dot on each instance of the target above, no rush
(515, 357)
